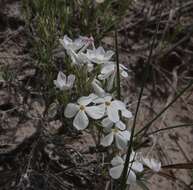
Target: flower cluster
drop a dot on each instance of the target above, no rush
(136, 165)
(100, 105)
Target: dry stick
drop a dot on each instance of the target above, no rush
(146, 127)
(179, 166)
(171, 127)
(184, 9)
(170, 49)
(168, 176)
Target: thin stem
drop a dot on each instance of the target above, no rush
(147, 126)
(126, 165)
(171, 127)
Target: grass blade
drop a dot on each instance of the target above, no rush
(171, 127)
(147, 126)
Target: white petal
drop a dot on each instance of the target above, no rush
(120, 141)
(124, 74)
(97, 88)
(108, 69)
(61, 76)
(100, 50)
(117, 104)
(109, 54)
(110, 82)
(113, 114)
(120, 125)
(85, 100)
(126, 134)
(96, 112)
(65, 41)
(107, 123)
(107, 140)
(90, 67)
(108, 98)
(61, 80)
(116, 171)
(137, 166)
(70, 110)
(152, 164)
(98, 100)
(131, 177)
(122, 67)
(126, 113)
(81, 120)
(117, 160)
(70, 80)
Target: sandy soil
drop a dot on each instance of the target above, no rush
(172, 147)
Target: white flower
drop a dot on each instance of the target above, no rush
(77, 44)
(109, 72)
(69, 44)
(121, 138)
(81, 110)
(151, 163)
(77, 58)
(64, 83)
(118, 165)
(107, 123)
(99, 55)
(112, 108)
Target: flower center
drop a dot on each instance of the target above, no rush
(107, 103)
(82, 108)
(115, 130)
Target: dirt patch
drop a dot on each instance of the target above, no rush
(30, 159)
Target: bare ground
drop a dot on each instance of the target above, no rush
(68, 163)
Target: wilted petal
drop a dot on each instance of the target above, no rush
(107, 140)
(116, 171)
(81, 121)
(96, 112)
(131, 177)
(120, 125)
(70, 110)
(107, 123)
